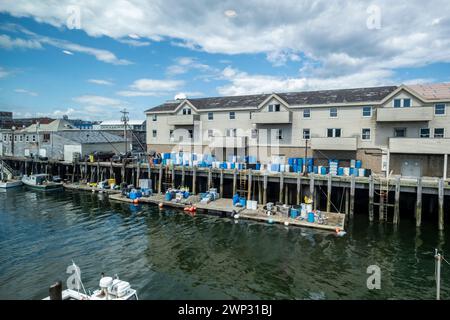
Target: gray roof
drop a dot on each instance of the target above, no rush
(90, 136)
(373, 94)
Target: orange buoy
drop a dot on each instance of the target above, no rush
(160, 205)
(338, 230)
(186, 208)
(135, 201)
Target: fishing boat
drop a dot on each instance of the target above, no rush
(41, 182)
(9, 178)
(10, 183)
(110, 289)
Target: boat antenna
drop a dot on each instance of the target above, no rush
(79, 276)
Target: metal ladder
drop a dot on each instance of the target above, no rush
(168, 178)
(242, 183)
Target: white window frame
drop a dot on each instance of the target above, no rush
(187, 111)
(434, 133)
(362, 134)
(280, 135)
(154, 117)
(231, 132)
(371, 111)
(309, 134)
(273, 107)
(212, 116)
(399, 128)
(21, 138)
(234, 115)
(210, 133)
(445, 110)
(402, 103)
(334, 132)
(333, 117)
(27, 138)
(309, 113)
(420, 133)
(33, 138)
(254, 133)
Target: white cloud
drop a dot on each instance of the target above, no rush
(10, 43)
(24, 91)
(185, 64)
(135, 43)
(99, 101)
(334, 35)
(4, 73)
(68, 52)
(100, 82)
(151, 87)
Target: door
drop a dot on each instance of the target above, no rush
(411, 168)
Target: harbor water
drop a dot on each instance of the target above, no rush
(166, 254)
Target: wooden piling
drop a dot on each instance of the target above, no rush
(286, 193)
(249, 185)
(173, 175)
(329, 193)
(111, 171)
(280, 199)
(347, 201)
(352, 195)
(265, 188)
(98, 171)
(419, 203)
(381, 206)
(160, 178)
(138, 173)
(209, 178)
(397, 201)
(234, 181)
(311, 189)
(371, 194)
(194, 179)
(441, 205)
(73, 173)
(123, 173)
(221, 183)
(260, 196)
(183, 176)
(299, 188)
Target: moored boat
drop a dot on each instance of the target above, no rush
(10, 183)
(41, 182)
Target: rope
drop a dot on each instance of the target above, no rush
(331, 202)
(445, 260)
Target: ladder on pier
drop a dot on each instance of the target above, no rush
(242, 183)
(168, 179)
(384, 194)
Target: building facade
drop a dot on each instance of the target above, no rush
(136, 136)
(399, 129)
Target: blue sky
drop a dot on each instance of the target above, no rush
(138, 54)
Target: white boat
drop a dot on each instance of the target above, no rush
(10, 183)
(41, 182)
(110, 289)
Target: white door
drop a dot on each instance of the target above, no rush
(43, 152)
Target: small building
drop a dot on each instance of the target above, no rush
(6, 120)
(136, 135)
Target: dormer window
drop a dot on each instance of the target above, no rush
(402, 103)
(274, 108)
(187, 111)
(154, 117)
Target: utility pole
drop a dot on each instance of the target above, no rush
(125, 120)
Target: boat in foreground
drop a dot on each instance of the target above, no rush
(42, 182)
(10, 183)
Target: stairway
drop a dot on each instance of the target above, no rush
(7, 171)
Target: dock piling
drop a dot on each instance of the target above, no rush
(441, 204)
(371, 194)
(183, 176)
(397, 201)
(419, 203)
(280, 198)
(221, 183)
(352, 195)
(299, 188)
(234, 181)
(329, 193)
(160, 178)
(249, 186)
(311, 189)
(194, 179)
(265, 188)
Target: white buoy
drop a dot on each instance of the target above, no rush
(236, 216)
(286, 223)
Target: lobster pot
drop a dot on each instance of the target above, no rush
(352, 163)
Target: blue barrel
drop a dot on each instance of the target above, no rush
(311, 217)
(243, 201)
(352, 170)
(340, 171)
(258, 166)
(358, 164)
(132, 195)
(294, 213)
(309, 161)
(235, 199)
(316, 169)
(323, 170)
(291, 161)
(186, 194)
(275, 167)
(156, 161)
(168, 196)
(299, 163)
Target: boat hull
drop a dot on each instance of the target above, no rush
(46, 188)
(10, 184)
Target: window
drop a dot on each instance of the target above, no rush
(154, 117)
(27, 138)
(171, 135)
(438, 132)
(425, 132)
(46, 137)
(367, 111)
(274, 108)
(154, 133)
(334, 133)
(231, 132)
(439, 109)
(15, 138)
(279, 134)
(33, 138)
(187, 111)
(5, 137)
(21, 138)
(365, 134)
(306, 134)
(307, 113)
(210, 116)
(400, 132)
(210, 133)
(10, 137)
(402, 103)
(191, 133)
(333, 112)
(232, 115)
(254, 133)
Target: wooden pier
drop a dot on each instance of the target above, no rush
(286, 187)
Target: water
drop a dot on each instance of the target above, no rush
(170, 255)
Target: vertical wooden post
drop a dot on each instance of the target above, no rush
(194, 179)
(59, 171)
(311, 189)
(221, 183)
(347, 201)
(381, 207)
(265, 188)
(280, 199)
(138, 173)
(111, 171)
(397, 201)
(371, 194)
(329, 186)
(73, 172)
(299, 188)
(160, 178)
(352, 195)
(123, 171)
(441, 204)
(173, 175)
(260, 196)
(98, 171)
(209, 178)
(419, 203)
(234, 181)
(286, 193)
(183, 175)
(444, 176)
(249, 185)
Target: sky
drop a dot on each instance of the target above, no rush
(91, 59)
